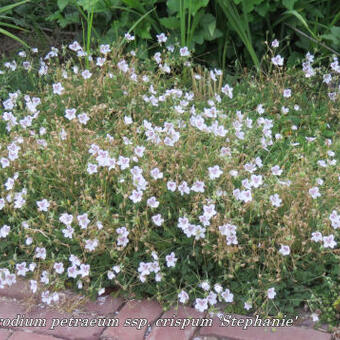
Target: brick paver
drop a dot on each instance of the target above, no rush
(129, 326)
(105, 305)
(160, 330)
(55, 327)
(30, 336)
(10, 308)
(149, 310)
(18, 290)
(262, 333)
(4, 334)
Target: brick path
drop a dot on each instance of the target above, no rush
(17, 300)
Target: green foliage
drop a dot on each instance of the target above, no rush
(220, 31)
(4, 17)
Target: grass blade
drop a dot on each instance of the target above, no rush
(10, 35)
(9, 7)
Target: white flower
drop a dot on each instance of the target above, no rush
(275, 200)
(277, 60)
(84, 270)
(83, 118)
(104, 49)
(43, 205)
(66, 219)
(285, 250)
(316, 236)
(275, 43)
(183, 188)
(287, 93)
(171, 260)
(334, 217)
(215, 172)
(314, 192)
(328, 241)
(91, 245)
(136, 196)
(100, 61)
(21, 268)
(129, 37)
(139, 151)
(245, 196)
(74, 46)
(260, 109)
(29, 241)
(152, 202)
(58, 267)
(227, 90)
(83, 220)
(315, 317)
(70, 113)
(58, 89)
(198, 186)
(276, 170)
(33, 286)
(91, 168)
(184, 52)
(40, 253)
(72, 271)
(171, 186)
(183, 296)
(156, 173)
(44, 277)
(271, 293)
(123, 162)
(227, 296)
(205, 285)
(158, 220)
(201, 304)
(218, 288)
(86, 74)
(327, 78)
(248, 305)
(256, 181)
(127, 120)
(161, 38)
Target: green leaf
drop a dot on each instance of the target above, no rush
(334, 36)
(170, 23)
(135, 4)
(289, 4)
(249, 5)
(62, 4)
(88, 5)
(263, 9)
(10, 35)
(193, 5)
(7, 8)
(209, 21)
(198, 4)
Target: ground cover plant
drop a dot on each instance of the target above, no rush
(171, 181)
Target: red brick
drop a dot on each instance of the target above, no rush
(149, 310)
(19, 290)
(29, 336)
(74, 333)
(102, 306)
(170, 333)
(262, 333)
(10, 308)
(4, 334)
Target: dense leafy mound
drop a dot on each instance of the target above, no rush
(171, 181)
